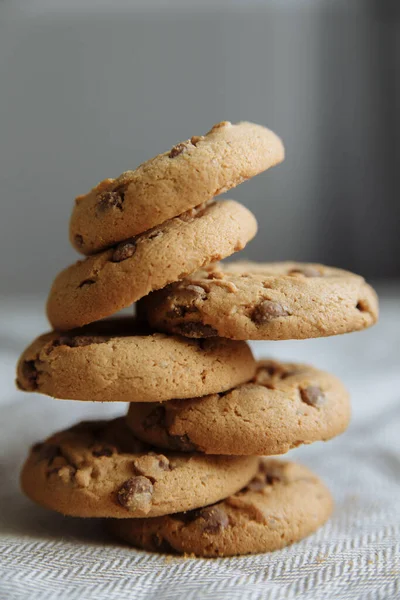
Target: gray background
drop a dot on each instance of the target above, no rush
(89, 89)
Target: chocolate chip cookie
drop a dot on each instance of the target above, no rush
(264, 301)
(284, 503)
(283, 406)
(103, 284)
(98, 469)
(114, 360)
(189, 174)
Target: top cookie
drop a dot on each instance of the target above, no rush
(264, 301)
(189, 174)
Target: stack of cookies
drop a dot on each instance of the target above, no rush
(181, 471)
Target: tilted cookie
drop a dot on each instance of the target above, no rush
(284, 503)
(264, 301)
(101, 285)
(98, 469)
(113, 360)
(189, 174)
(283, 406)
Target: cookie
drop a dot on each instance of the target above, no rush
(189, 174)
(283, 406)
(264, 301)
(99, 469)
(284, 503)
(113, 360)
(103, 284)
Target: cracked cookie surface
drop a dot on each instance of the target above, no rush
(101, 285)
(116, 360)
(99, 469)
(189, 174)
(284, 503)
(283, 406)
(264, 301)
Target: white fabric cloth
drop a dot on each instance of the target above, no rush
(44, 556)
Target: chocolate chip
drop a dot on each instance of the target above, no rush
(86, 282)
(78, 240)
(271, 478)
(162, 461)
(178, 149)
(108, 200)
(259, 482)
(152, 466)
(136, 494)
(124, 250)
(196, 329)
(273, 369)
(265, 374)
(156, 418)
(306, 271)
(313, 395)
(103, 452)
(268, 310)
(213, 519)
(183, 443)
(154, 234)
(30, 373)
(362, 306)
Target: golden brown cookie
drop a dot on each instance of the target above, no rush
(98, 469)
(103, 284)
(285, 405)
(189, 174)
(264, 301)
(283, 504)
(114, 360)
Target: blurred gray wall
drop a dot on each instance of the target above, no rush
(89, 89)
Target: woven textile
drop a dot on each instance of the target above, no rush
(45, 556)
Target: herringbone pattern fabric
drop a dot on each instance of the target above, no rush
(356, 556)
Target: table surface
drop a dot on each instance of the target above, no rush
(355, 556)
